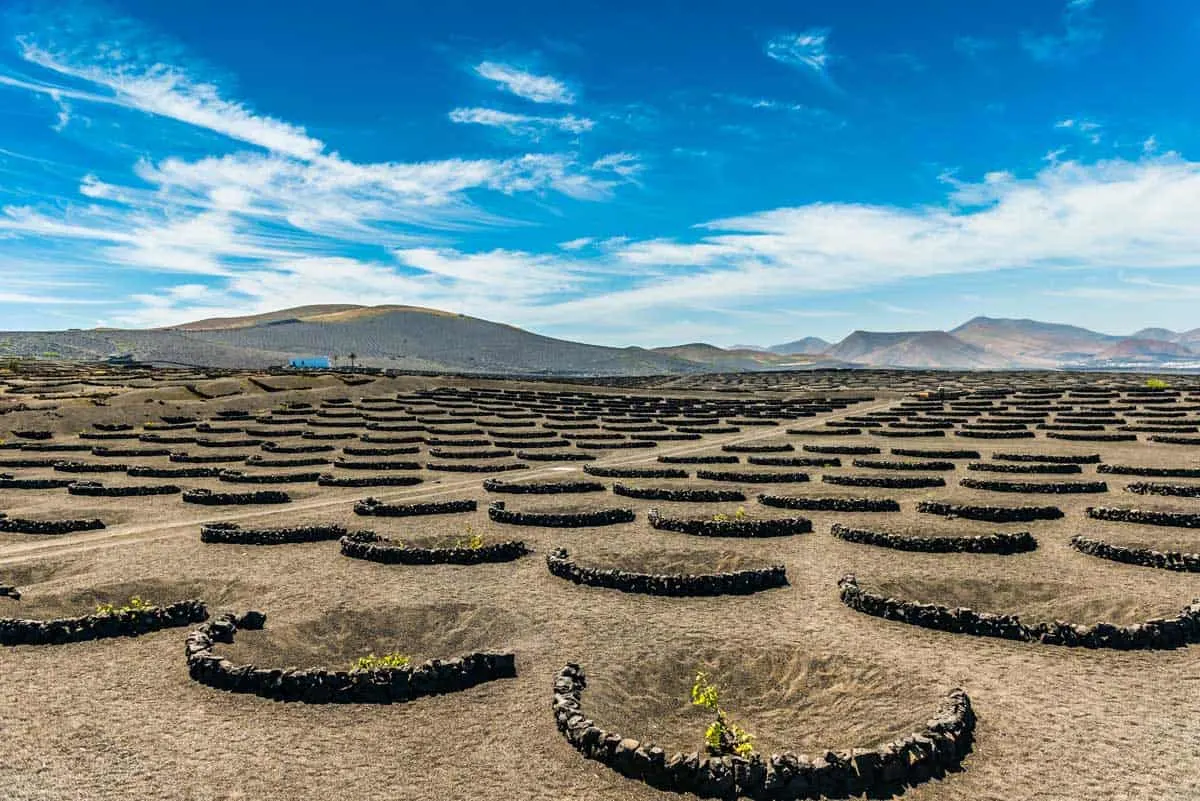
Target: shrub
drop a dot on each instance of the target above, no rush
(740, 515)
(136, 604)
(721, 737)
(372, 662)
(1156, 383)
(470, 539)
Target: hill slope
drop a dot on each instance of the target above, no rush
(806, 345)
(1032, 343)
(911, 349)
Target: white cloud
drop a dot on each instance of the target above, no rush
(805, 49)
(538, 88)
(576, 244)
(522, 124)
(167, 92)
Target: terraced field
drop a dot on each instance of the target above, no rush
(989, 592)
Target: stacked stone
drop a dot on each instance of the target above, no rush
(998, 543)
(991, 514)
(1155, 634)
(207, 497)
(830, 504)
(321, 686)
(130, 623)
(19, 525)
(454, 467)
(892, 464)
(89, 467)
(1145, 557)
(141, 471)
(878, 771)
(886, 482)
(1150, 472)
(773, 527)
(370, 546)
(327, 480)
(681, 495)
(600, 517)
(1157, 488)
(373, 507)
(752, 478)
(35, 483)
(1145, 517)
(96, 489)
(542, 487)
(737, 582)
(234, 533)
(1030, 468)
(1028, 488)
(634, 472)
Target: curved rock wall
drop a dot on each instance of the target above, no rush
(1030, 488)
(19, 525)
(634, 472)
(998, 543)
(885, 482)
(14, 631)
(991, 514)
(738, 582)
(598, 517)
(830, 504)
(232, 533)
(1173, 632)
(752, 478)
(370, 546)
(542, 487)
(373, 507)
(321, 686)
(96, 489)
(1144, 517)
(1144, 557)
(877, 772)
(681, 495)
(207, 497)
(772, 527)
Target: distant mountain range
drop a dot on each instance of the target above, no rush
(996, 343)
(413, 338)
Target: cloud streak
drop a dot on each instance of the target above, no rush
(527, 85)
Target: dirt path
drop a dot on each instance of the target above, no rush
(133, 533)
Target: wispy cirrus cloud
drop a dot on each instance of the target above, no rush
(806, 50)
(527, 85)
(1081, 35)
(521, 124)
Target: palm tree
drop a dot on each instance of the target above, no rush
(352, 356)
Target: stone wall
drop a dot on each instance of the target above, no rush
(370, 546)
(680, 494)
(885, 482)
(1032, 467)
(467, 467)
(771, 527)
(935, 453)
(234, 534)
(15, 631)
(738, 582)
(240, 477)
(1146, 517)
(322, 686)
(542, 487)
(830, 504)
(20, 525)
(783, 447)
(96, 489)
(1145, 557)
(842, 450)
(879, 771)
(752, 478)
(1029, 487)
(1168, 440)
(9, 482)
(569, 456)
(207, 497)
(1172, 632)
(999, 543)
(328, 480)
(144, 471)
(373, 507)
(1150, 472)
(1158, 488)
(634, 472)
(89, 467)
(598, 517)
(991, 514)
(1091, 437)
(708, 459)
(376, 465)
(1049, 458)
(997, 434)
(893, 464)
(794, 461)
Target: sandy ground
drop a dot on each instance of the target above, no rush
(120, 719)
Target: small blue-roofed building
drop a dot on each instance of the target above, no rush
(309, 363)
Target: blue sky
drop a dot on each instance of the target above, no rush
(726, 172)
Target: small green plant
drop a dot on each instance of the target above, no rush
(470, 539)
(722, 736)
(373, 662)
(740, 515)
(1156, 383)
(720, 517)
(136, 604)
